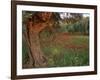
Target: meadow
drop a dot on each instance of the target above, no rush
(66, 50)
(66, 44)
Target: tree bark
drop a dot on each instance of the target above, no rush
(40, 60)
(35, 25)
(30, 62)
(35, 47)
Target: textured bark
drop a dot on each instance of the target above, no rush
(30, 62)
(39, 58)
(35, 25)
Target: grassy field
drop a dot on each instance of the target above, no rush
(63, 49)
(66, 50)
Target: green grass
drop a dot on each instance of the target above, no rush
(66, 57)
(59, 56)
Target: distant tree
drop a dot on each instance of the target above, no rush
(71, 17)
(85, 25)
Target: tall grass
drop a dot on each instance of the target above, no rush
(59, 55)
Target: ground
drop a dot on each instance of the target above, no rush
(66, 50)
(62, 49)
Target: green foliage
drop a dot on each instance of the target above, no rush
(81, 26)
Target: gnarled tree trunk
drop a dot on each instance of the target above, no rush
(39, 58)
(34, 27)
